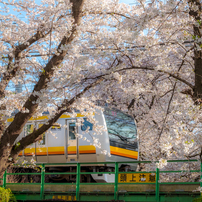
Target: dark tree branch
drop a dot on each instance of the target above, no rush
(169, 103)
(15, 128)
(162, 71)
(131, 103)
(166, 93)
(167, 111)
(17, 55)
(33, 137)
(152, 101)
(12, 69)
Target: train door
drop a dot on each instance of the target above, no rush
(41, 147)
(29, 151)
(72, 153)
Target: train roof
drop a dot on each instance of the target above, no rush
(107, 112)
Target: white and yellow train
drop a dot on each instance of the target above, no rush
(118, 140)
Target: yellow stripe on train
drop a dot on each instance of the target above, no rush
(123, 152)
(46, 117)
(85, 149)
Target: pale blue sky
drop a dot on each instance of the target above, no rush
(130, 2)
(127, 1)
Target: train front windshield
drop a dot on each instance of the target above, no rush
(121, 129)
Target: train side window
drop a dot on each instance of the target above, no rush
(28, 129)
(72, 131)
(56, 127)
(86, 125)
(43, 140)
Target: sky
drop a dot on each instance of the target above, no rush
(130, 2)
(127, 1)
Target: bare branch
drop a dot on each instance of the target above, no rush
(109, 13)
(163, 21)
(162, 71)
(7, 76)
(167, 112)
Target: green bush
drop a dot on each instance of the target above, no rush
(6, 195)
(197, 199)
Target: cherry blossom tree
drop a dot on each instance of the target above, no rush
(158, 73)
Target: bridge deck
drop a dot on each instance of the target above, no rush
(142, 192)
(103, 188)
(151, 189)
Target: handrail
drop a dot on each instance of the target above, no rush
(123, 162)
(116, 173)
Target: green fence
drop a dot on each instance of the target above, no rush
(116, 194)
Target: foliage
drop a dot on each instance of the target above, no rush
(6, 195)
(197, 199)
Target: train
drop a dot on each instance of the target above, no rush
(70, 142)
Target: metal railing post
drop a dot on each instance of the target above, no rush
(157, 184)
(116, 181)
(4, 179)
(42, 181)
(77, 181)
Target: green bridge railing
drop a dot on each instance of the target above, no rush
(78, 174)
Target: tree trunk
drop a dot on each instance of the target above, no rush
(195, 14)
(11, 133)
(198, 76)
